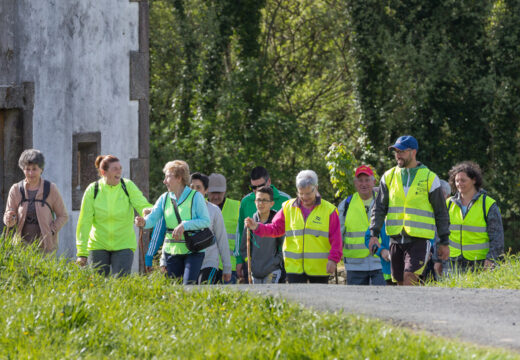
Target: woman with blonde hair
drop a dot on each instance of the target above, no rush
(105, 231)
(180, 262)
(35, 205)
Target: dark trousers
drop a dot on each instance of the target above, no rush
(120, 261)
(373, 277)
(186, 267)
(304, 278)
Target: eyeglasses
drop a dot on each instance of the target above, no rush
(254, 187)
(397, 151)
(264, 201)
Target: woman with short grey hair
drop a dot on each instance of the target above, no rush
(34, 205)
(313, 244)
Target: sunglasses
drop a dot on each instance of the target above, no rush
(254, 187)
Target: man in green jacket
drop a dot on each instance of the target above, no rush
(259, 177)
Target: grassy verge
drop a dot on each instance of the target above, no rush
(506, 275)
(51, 309)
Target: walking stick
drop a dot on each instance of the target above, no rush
(141, 249)
(249, 279)
(336, 275)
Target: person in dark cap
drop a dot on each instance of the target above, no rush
(411, 199)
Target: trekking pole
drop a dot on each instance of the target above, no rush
(336, 275)
(141, 249)
(250, 281)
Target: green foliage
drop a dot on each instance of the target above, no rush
(52, 309)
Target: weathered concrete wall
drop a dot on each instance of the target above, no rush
(76, 52)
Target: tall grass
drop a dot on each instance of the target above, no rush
(506, 275)
(51, 309)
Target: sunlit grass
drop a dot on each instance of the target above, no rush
(50, 309)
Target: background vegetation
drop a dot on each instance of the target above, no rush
(327, 85)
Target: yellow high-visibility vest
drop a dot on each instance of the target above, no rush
(356, 226)
(230, 212)
(172, 246)
(306, 247)
(412, 212)
(468, 235)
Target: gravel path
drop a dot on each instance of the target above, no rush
(481, 316)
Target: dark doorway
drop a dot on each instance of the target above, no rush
(11, 146)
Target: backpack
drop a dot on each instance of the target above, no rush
(123, 186)
(347, 204)
(46, 191)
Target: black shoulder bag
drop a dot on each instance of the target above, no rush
(196, 240)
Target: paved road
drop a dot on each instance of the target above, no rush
(481, 316)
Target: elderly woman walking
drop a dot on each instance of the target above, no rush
(35, 205)
(105, 231)
(313, 244)
(476, 232)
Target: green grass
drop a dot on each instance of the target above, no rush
(506, 275)
(50, 309)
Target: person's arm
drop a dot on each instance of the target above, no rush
(156, 241)
(200, 216)
(341, 210)
(336, 242)
(137, 198)
(157, 212)
(442, 217)
(275, 229)
(380, 209)
(240, 232)
(11, 208)
(495, 232)
(219, 230)
(59, 209)
(85, 221)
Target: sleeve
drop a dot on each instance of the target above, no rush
(85, 221)
(275, 229)
(243, 245)
(220, 233)
(380, 209)
(336, 243)
(240, 231)
(495, 232)
(136, 196)
(156, 241)
(12, 204)
(442, 217)
(200, 216)
(341, 210)
(58, 207)
(157, 212)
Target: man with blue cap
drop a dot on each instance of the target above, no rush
(410, 197)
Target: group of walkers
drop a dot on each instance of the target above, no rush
(405, 229)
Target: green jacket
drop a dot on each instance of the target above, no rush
(107, 222)
(248, 209)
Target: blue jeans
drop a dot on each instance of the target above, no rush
(373, 277)
(185, 266)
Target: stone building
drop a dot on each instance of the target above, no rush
(74, 84)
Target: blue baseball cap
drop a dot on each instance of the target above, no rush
(405, 142)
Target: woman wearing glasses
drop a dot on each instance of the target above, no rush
(313, 244)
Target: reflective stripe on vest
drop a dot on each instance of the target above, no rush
(356, 225)
(468, 235)
(306, 247)
(412, 212)
(171, 246)
(230, 212)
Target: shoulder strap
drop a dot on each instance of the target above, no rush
(174, 203)
(484, 207)
(123, 186)
(96, 189)
(46, 191)
(22, 191)
(347, 204)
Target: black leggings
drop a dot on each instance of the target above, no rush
(304, 278)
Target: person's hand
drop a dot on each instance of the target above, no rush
(331, 267)
(81, 261)
(488, 264)
(240, 271)
(373, 241)
(147, 211)
(163, 269)
(178, 231)
(148, 269)
(443, 252)
(139, 221)
(385, 255)
(226, 277)
(250, 223)
(11, 218)
(437, 267)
